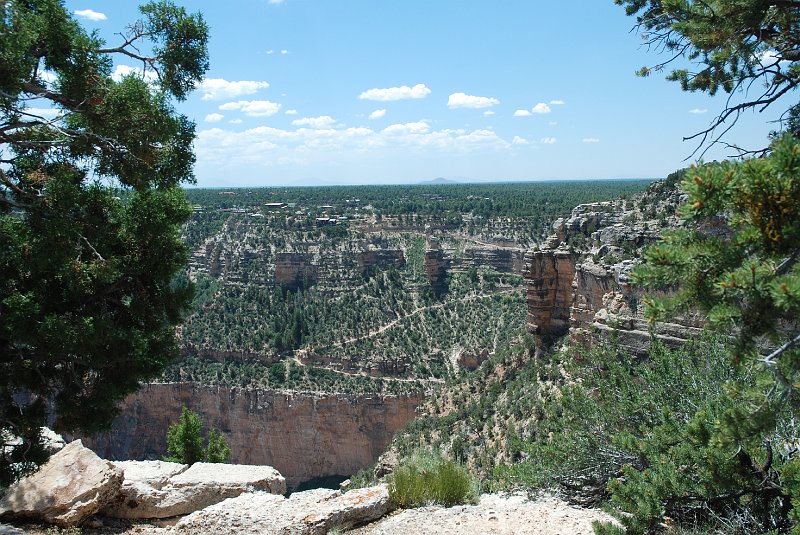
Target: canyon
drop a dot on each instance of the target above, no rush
(305, 436)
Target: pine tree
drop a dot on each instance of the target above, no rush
(185, 441)
(90, 213)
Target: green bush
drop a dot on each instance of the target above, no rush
(428, 478)
(185, 441)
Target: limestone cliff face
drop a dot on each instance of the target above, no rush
(295, 269)
(578, 283)
(500, 259)
(304, 436)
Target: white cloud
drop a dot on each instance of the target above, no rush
(377, 114)
(44, 113)
(284, 52)
(395, 93)
(268, 146)
(90, 14)
(291, 111)
(253, 108)
(270, 51)
(698, 110)
(275, 2)
(214, 117)
(519, 141)
(488, 113)
(219, 88)
(548, 140)
(553, 123)
(522, 113)
(556, 102)
(590, 140)
(235, 121)
(541, 108)
(419, 127)
(121, 71)
(320, 123)
(462, 100)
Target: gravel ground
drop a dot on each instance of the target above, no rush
(494, 514)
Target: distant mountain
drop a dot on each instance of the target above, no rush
(441, 180)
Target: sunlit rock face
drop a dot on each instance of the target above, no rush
(303, 435)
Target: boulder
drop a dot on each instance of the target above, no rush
(72, 486)
(11, 530)
(155, 489)
(313, 512)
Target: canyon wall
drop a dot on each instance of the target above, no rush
(302, 435)
(578, 282)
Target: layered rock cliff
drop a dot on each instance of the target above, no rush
(578, 282)
(303, 435)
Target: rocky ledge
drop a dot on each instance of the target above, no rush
(78, 488)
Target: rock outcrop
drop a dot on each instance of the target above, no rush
(578, 282)
(313, 512)
(72, 486)
(500, 259)
(304, 436)
(156, 489)
(380, 258)
(295, 270)
(435, 265)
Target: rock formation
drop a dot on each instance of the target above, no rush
(380, 258)
(304, 436)
(72, 486)
(578, 282)
(156, 489)
(435, 264)
(295, 270)
(500, 259)
(313, 512)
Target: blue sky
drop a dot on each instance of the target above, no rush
(306, 92)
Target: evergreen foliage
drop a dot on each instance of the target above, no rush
(742, 47)
(90, 214)
(185, 441)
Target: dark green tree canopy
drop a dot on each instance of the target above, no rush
(747, 48)
(90, 212)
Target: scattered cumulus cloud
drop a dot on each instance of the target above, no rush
(253, 108)
(462, 100)
(548, 140)
(541, 108)
(90, 14)
(520, 141)
(214, 117)
(522, 113)
(235, 121)
(121, 71)
(488, 113)
(377, 114)
(291, 111)
(219, 88)
(270, 51)
(553, 123)
(276, 2)
(319, 123)
(284, 52)
(269, 146)
(395, 93)
(556, 102)
(698, 110)
(590, 140)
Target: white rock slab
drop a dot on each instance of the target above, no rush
(73, 485)
(313, 512)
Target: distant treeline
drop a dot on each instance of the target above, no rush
(486, 200)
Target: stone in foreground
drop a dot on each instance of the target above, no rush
(72, 486)
(155, 489)
(313, 512)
